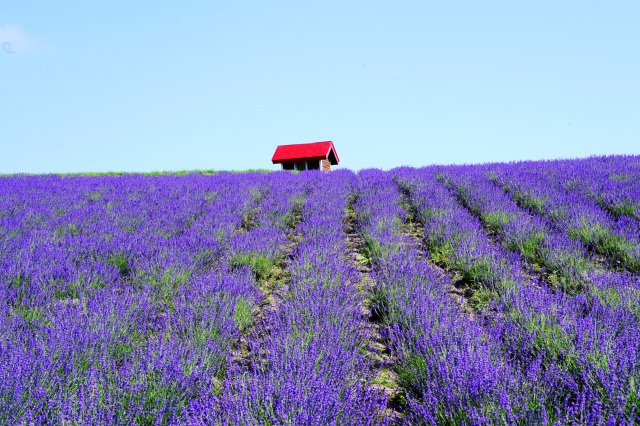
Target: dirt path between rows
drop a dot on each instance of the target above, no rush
(274, 289)
(458, 289)
(385, 380)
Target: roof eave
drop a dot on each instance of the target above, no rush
(293, 160)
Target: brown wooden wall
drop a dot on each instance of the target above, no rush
(326, 166)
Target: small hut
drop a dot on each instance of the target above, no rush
(306, 156)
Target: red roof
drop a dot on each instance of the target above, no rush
(305, 152)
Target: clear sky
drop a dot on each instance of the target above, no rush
(142, 86)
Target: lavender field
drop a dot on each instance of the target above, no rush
(486, 294)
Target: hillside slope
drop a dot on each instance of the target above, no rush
(497, 293)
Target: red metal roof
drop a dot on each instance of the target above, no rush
(304, 152)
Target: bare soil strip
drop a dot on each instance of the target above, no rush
(598, 260)
(533, 274)
(459, 289)
(377, 351)
(274, 287)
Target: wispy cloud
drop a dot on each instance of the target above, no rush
(14, 40)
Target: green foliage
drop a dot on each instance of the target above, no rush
(291, 218)
(380, 305)
(633, 397)
(412, 372)
(120, 261)
(372, 249)
(607, 243)
(221, 235)
(529, 201)
(628, 298)
(71, 290)
(589, 234)
(442, 254)
(549, 338)
(205, 260)
(165, 285)
(482, 296)
(165, 234)
(22, 284)
(382, 379)
(566, 281)
(160, 173)
(429, 214)
(242, 314)
(530, 247)
(157, 390)
(248, 220)
(68, 231)
(624, 208)
(558, 215)
(496, 220)
(620, 177)
(395, 225)
(256, 195)
(202, 335)
(261, 265)
(491, 175)
(120, 350)
(74, 290)
(130, 225)
(82, 362)
(73, 229)
(477, 271)
(32, 315)
(297, 202)
(571, 184)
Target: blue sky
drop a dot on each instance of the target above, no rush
(142, 86)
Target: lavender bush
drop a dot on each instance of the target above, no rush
(503, 293)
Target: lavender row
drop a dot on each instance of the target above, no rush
(118, 305)
(563, 261)
(71, 235)
(266, 226)
(555, 255)
(454, 238)
(123, 297)
(310, 367)
(533, 187)
(620, 190)
(583, 353)
(613, 182)
(451, 368)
